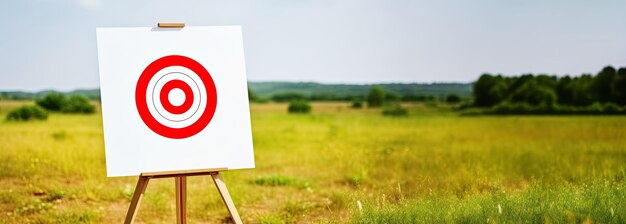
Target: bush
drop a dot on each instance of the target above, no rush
(396, 111)
(357, 104)
(612, 108)
(392, 97)
(453, 98)
(376, 97)
(299, 107)
(55, 101)
(78, 104)
(527, 109)
(25, 113)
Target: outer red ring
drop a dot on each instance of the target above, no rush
(142, 106)
(165, 101)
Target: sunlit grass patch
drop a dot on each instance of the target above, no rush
(281, 180)
(79, 216)
(295, 210)
(599, 202)
(319, 167)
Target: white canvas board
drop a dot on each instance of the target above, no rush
(167, 69)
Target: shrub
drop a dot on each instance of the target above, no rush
(612, 108)
(453, 98)
(595, 108)
(392, 97)
(299, 107)
(527, 109)
(26, 113)
(357, 104)
(55, 101)
(78, 104)
(396, 111)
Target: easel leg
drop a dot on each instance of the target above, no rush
(221, 187)
(142, 183)
(181, 199)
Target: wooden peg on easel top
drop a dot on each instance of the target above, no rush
(170, 25)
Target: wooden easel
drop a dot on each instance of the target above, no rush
(180, 178)
(181, 192)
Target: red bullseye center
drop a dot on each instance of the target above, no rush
(165, 101)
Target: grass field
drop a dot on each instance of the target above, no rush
(339, 165)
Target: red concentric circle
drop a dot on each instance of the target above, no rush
(165, 101)
(142, 106)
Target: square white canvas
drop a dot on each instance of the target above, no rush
(131, 146)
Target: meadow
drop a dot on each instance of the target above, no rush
(339, 165)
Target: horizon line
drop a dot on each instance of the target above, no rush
(250, 81)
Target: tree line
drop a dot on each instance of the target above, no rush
(606, 89)
(389, 96)
(344, 92)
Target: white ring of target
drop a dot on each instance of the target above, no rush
(156, 107)
(159, 105)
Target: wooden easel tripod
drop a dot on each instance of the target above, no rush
(181, 192)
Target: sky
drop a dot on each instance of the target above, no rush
(51, 44)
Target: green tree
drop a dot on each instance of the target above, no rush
(547, 81)
(481, 90)
(516, 82)
(603, 85)
(489, 90)
(534, 94)
(53, 101)
(565, 91)
(582, 96)
(376, 97)
(620, 86)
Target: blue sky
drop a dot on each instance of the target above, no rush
(51, 44)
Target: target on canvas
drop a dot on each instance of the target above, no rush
(174, 99)
(176, 96)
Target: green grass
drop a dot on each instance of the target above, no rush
(428, 167)
(597, 202)
(280, 180)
